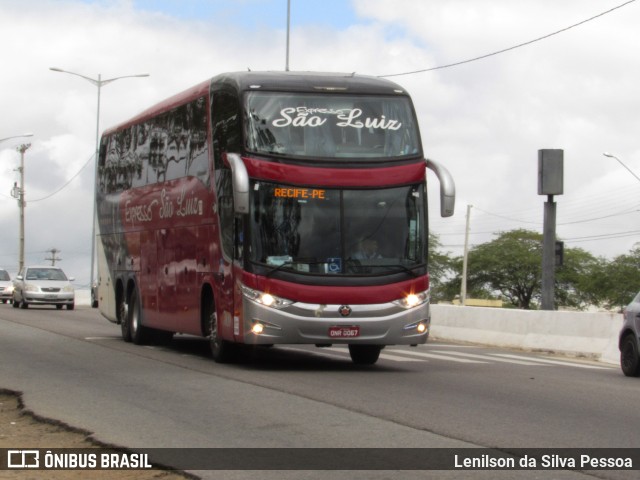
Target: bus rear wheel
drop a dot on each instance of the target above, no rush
(139, 333)
(364, 354)
(123, 316)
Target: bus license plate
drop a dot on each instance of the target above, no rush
(344, 332)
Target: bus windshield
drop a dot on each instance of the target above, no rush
(330, 126)
(337, 232)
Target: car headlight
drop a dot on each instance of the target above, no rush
(68, 289)
(264, 298)
(413, 300)
(30, 287)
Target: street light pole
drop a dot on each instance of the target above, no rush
(620, 162)
(286, 67)
(98, 83)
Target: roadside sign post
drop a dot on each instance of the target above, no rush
(550, 183)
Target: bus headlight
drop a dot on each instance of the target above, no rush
(264, 298)
(413, 300)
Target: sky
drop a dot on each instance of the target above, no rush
(484, 120)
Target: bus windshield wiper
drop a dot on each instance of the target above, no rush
(275, 269)
(291, 265)
(401, 267)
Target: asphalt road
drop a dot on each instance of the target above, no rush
(74, 367)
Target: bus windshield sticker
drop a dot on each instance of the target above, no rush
(334, 265)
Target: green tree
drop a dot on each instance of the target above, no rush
(511, 265)
(577, 280)
(441, 269)
(619, 280)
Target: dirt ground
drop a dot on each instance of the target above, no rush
(20, 428)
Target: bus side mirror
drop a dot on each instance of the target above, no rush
(447, 188)
(240, 183)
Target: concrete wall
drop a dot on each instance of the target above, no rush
(592, 335)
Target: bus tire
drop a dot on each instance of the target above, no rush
(123, 315)
(221, 350)
(139, 333)
(364, 354)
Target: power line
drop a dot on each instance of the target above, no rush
(62, 187)
(507, 218)
(600, 218)
(509, 48)
(66, 184)
(604, 236)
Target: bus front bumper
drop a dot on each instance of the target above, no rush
(302, 323)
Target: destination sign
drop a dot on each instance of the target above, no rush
(301, 193)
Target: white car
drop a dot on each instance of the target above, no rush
(43, 286)
(6, 287)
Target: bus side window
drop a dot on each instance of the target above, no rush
(225, 125)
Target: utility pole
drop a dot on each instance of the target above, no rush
(463, 288)
(53, 259)
(18, 192)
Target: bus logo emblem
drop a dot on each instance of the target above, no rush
(345, 310)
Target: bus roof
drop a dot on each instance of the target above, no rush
(310, 82)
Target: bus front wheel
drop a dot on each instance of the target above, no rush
(221, 350)
(364, 354)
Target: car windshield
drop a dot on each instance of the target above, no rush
(330, 126)
(4, 276)
(45, 274)
(338, 232)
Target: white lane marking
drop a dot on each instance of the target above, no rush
(437, 356)
(323, 353)
(550, 362)
(396, 358)
(491, 358)
(383, 355)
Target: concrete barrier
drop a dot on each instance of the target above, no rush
(83, 297)
(591, 335)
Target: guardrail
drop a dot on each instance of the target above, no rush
(580, 334)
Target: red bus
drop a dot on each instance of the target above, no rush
(269, 208)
